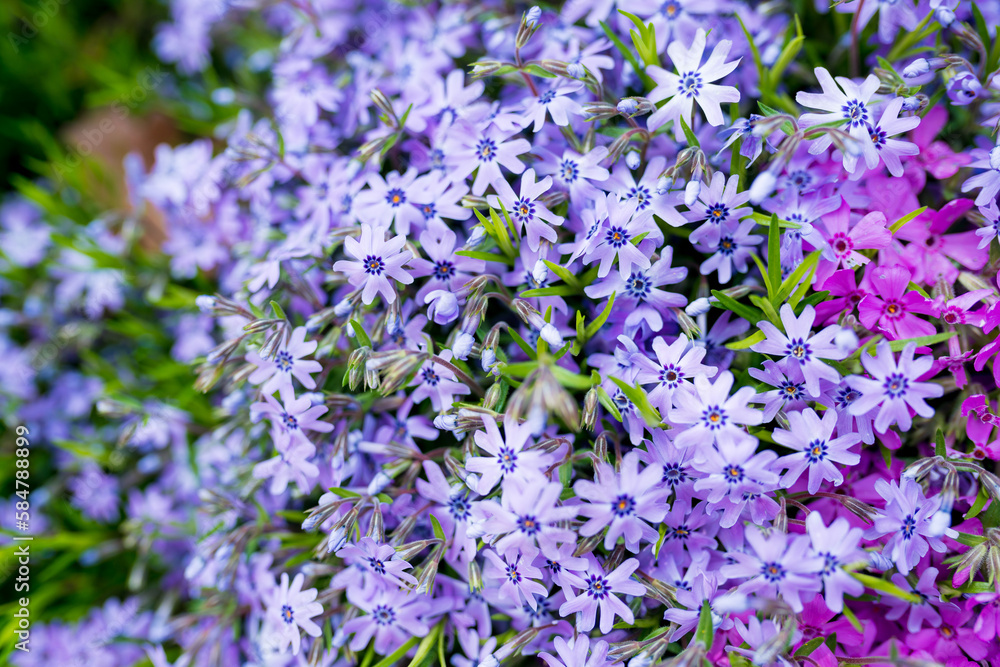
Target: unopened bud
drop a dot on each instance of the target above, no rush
(632, 160)
(663, 185)
(576, 70)
(463, 346)
(846, 340)
(762, 186)
(205, 303)
(628, 106)
(532, 17)
(699, 306)
(918, 67)
(691, 192)
(551, 335)
(944, 16)
(590, 402)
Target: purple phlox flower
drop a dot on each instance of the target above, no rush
(869, 233)
(789, 393)
(991, 214)
(734, 475)
(375, 262)
(892, 15)
(451, 99)
(574, 653)
(378, 560)
(598, 593)
(437, 382)
(574, 173)
(475, 654)
(454, 506)
(95, 494)
(704, 587)
(964, 87)
(800, 349)
(844, 396)
(510, 455)
(953, 641)
(676, 19)
(720, 206)
(689, 531)
(714, 342)
(887, 149)
(390, 200)
(692, 83)
(438, 198)
(781, 566)
(894, 310)
(485, 152)
(675, 462)
(290, 421)
(407, 332)
(400, 429)
(753, 145)
(291, 608)
(675, 368)
(711, 414)
(989, 180)
(517, 574)
(756, 634)
(646, 192)
(907, 518)
(526, 211)
(837, 545)
(301, 90)
(733, 249)
(987, 625)
(526, 517)
(556, 102)
(587, 236)
(637, 300)
(291, 463)
(919, 612)
(894, 387)
(617, 236)
(849, 102)
(564, 568)
(803, 210)
(817, 449)
(392, 616)
(623, 502)
(288, 362)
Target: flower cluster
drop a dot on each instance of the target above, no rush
(662, 332)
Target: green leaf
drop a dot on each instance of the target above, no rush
(886, 587)
(609, 405)
(538, 71)
(343, 493)
(898, 345)
(939, 445)
(641, 402)
(571, 380)
(629, 56)
(981, 499)
(763, 274)
(970, 540)
(786, 56)
(486, 256)
(521, 343)
(761, 74)
(803, 287)
(747, 342)
(498, 232)
(896, 226)
(278, 312)
(793, 279)
(705, 632)
(596, 325)
(774, 254)
(398, 653)
(688, 134)
(726, 302)
(555, 290)
(808, 647)
(565, 275)
(768, 309)
(566, 473)
(436, 527)
(362, 335)
(831, 642)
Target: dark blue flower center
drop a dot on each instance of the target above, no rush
(623, 505)
(374, 265)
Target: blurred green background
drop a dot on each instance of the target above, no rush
(61, 58)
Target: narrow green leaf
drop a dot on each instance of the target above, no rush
(939, 445)
(688, 133)
(807, 648)
(886, 587)
(768, 309)
(609, 405)
(808, 264)
(831, 642)
(774, 254)
(555, 290)
(896, 226)
(641, 402)
(436, 527)
(786, 57)
(571, 380)
(596, 325)
(343, 493)
(361, 334)
(629, 56)
(921, 341)
(565, 275)
(705, 632)
(485, 256)
(763, 274)
(981, 499)
(970, 540)
(803, 286)
(521, 343)
(747, 342)
(726, 302)
(398, 653)
(761, 74)
(278, 312)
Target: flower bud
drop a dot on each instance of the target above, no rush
(628, 106)
(551, 335)
(463, 346)
(344, 308)
(918, 67)
(205, 303)
(964, 88)
(442, 306)
(691, 192)
(762, 186)
(846, 340)
(632, 160)
(576, 70)
(532, 17)
(944, 16)
(379, 483)
(446, 422)
(880, 561)
(663, 185)
(488, 357)
(699, 306)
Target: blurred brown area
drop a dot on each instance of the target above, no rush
(100, 139)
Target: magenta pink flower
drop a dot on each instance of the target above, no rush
(931, 250)
(845, 240)
(894, 311)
